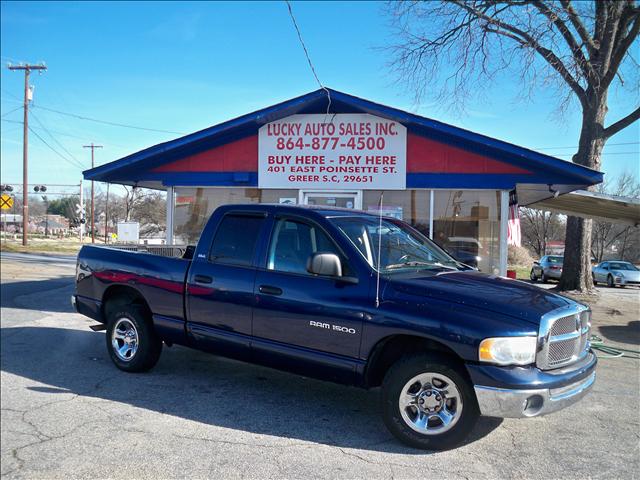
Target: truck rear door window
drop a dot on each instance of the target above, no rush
(235, 240)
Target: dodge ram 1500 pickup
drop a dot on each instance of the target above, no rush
(354, 298)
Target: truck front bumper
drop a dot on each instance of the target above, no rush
(514, 392)
(511, 403)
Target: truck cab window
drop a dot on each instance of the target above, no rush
(235, 240)
(293, 243)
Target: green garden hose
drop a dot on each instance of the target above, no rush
(611, 352)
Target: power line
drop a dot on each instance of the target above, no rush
(106, 122)
(52, 131)
(306, 53)
(54, 150)
(603, 154)
(11, 111)
(55, 139)
(11, 94)
(64, 134)
(576, 146)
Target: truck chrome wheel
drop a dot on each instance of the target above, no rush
(430, 403)
(124, 339)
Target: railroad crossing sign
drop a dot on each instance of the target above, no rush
(79, 208)
(6, 202)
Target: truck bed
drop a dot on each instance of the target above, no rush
(160, 279)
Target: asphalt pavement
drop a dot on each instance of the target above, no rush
(67, 412)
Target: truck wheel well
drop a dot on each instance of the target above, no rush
(119, 295)
(389, 350)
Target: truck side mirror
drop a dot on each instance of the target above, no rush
(325, 264)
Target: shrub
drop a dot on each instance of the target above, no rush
(519, 257)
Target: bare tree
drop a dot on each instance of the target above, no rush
(151, 213)
(579, 48)
(538, 228)
(132, 198)
(605, 235)
(145, 206)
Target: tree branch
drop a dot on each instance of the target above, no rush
(575, 48)
(622, 123)
(621, 49)
(527, 40)
(578, 25)
(610, 36)
(602, 13)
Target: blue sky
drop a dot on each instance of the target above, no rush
(185, 66)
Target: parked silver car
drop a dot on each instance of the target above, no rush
(549, 266)
(614, 272)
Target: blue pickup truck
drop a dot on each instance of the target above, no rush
(349, 297)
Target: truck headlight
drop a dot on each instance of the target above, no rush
(508, 350)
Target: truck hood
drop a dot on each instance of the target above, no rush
(478, 290)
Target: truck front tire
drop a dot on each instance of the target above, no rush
(132, 342)
(428, 402)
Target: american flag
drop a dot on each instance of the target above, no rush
(514, 236)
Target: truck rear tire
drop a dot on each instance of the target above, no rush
(428, 402)
(132, 343)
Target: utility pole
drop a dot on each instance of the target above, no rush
(81, 213)
(106, 215)
(25, 143)
(93, 233)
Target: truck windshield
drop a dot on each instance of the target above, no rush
(401, 247)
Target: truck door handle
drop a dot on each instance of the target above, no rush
(268, 290)
(202, 279)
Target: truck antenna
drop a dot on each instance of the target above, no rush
(379, 250)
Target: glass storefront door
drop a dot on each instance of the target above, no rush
(332, 199)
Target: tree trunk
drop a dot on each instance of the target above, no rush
(576, 270)
(623, 250)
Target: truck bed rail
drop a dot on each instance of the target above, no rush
(176, 251)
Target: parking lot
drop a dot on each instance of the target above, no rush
(67, 412)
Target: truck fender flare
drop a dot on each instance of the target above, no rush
(127, 292)
(390, 349)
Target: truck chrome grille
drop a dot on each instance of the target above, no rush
(563, 337)
(563, 325)
(560, 352)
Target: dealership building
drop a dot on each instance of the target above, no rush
(334, 149)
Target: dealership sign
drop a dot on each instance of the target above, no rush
(326, 151)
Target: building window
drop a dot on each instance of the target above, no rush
(466, 223)
(412, 206)
(194, 206)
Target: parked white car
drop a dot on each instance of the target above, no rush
(616, 273)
